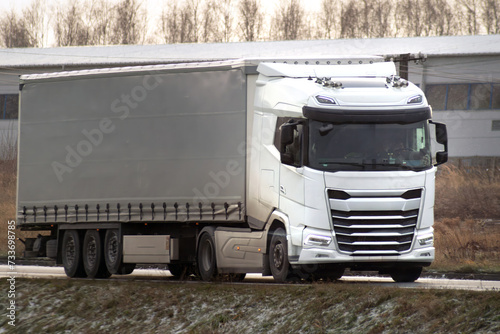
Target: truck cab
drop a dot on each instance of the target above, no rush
(346, 163)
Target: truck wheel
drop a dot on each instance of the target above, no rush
(278, 256)
(329, 272)
(406, 274)
(72, 254)
(180, 271)
(113, 254)
(93, 258)
(207, 263)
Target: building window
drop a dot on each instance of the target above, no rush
(457, 97)
(9, 106)
(480, 96)
(436, 96)
(495, 97)
(473, 96)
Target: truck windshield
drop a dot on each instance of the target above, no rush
(380, 147)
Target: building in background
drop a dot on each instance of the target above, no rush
(459, 74)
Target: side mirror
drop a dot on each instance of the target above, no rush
(287, 138)
(441, 138)
(287, 134)
(441, 157)
(441, 134)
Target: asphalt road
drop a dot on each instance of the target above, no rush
(29, 271)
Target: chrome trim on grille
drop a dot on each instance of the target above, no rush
(374, 223)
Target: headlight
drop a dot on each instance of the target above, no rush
(415, 99)
(325, 100)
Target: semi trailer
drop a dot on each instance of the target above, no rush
(290, 168)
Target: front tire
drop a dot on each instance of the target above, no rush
(278, 256)
(406, 275)
(207, 262)
(72, 254)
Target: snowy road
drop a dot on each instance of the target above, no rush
(24, 271)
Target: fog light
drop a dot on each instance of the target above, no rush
(318, 240)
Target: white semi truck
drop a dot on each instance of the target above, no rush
(287, 168)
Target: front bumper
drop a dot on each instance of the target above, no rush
(422, 250)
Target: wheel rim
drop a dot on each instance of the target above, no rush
(207, 255)
(70, 252)
(92, 252)
(113, 249)
(279, 254)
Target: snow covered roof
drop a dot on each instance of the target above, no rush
(174, 53)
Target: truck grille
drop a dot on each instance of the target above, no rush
(374, 223)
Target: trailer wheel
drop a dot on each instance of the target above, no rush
(278, 256)
(113, 254)
(72, 254)
(93, 256)
(406, 275)
(207, 263)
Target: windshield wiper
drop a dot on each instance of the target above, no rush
(386, 164)
(357, 164)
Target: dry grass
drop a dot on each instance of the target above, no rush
(468, 245)
(93, 306)
(467, 215)
(8, 181)
(467, 193)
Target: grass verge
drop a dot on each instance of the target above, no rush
(89, 306)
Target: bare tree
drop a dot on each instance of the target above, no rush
(409, 17)
(349, 20)
(491, 16)
(380, 19)
(180, 22)
(69, 27)
(129, 26)
(100, 17)
(225, 13)
(13, 31)
(170, 23)
(469, 10)
(328, 19)
(287, 23)
(251, 19)
(192, 13)
(209, 28)
(440, 17)
(35, 20)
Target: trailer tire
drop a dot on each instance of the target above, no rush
(93, 255)
(406, 275)
(278, 256)
(113, 254)
(207, 262)
(72, 254)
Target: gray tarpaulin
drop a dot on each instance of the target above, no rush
(172, 140)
